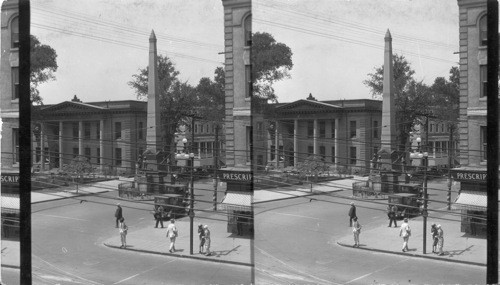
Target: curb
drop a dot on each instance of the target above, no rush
(181, 255)
(414, 255)
(294, 197)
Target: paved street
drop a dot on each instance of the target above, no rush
(296, 241)
(67, 247)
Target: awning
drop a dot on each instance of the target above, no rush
(471, 200)
(10, 204)
(237, 201)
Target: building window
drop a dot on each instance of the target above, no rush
(248, 81)
(333, 154)
(14, 32)
(260, 130)
(249, 143)
(88, 153)
(196, 128)
(248, 30)
(201, 128)
(483, 79)
(118, 156)
(310, 129)
(310, 150)
(98, 131)
(375, 130)
(141, 130)
(76, 152)
(118, 130)
(352, 155)
(75, 128)
(15, 145)
(15, 83)
(333, 129)
(86, 130)
(483, 31)
(484, 143)
(322, 129)
(322, 152)
(98, 156)
(352, 129)
(431, 128)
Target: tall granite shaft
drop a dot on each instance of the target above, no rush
(388, 134)
(153, 137)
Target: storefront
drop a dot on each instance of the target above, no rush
(10, 205)
(471, 200)
(238, 201)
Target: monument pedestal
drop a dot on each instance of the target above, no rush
(389, 181)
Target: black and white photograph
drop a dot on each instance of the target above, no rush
(249, 142)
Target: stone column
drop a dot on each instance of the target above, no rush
(315, 136)
(61, 152)
(80, 138)
(295, 141)
(101, 145)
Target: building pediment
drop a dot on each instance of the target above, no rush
(307, 106)
(71, 107)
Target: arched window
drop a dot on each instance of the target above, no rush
(14, 30)
(247, 25)
(483, 31)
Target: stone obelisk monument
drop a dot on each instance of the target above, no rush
(153, 136)
(388, 152)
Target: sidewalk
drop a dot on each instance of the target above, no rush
(11, 249)
(275, 194)
(225, 247)
(458, 247)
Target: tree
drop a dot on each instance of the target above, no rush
(271, 62)
(446, 96)
(177, 99)
(43, 64)
(313, 165)
(210, 96)
(77, 168)
(412, 98)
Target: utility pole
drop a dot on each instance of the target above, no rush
(425, 182)
(216, 164)
(450, 153)
(191, 202)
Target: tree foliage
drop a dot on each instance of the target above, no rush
(210, 96)
(77, 168)
(43, 64)
(313, 165)
(271, 62)
(414, 100)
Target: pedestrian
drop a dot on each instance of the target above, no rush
(405, 232)
(434, 235)
(356, 230)
(123, 232)
(158, 214)
(352, 213)
(172, 233)
(118, 213)
(392, 210)
(201, 235)
(440, 239)
(207, 240)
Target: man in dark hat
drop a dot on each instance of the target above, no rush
(118, 213)
(352, 213)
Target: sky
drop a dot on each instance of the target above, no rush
(335, 43)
